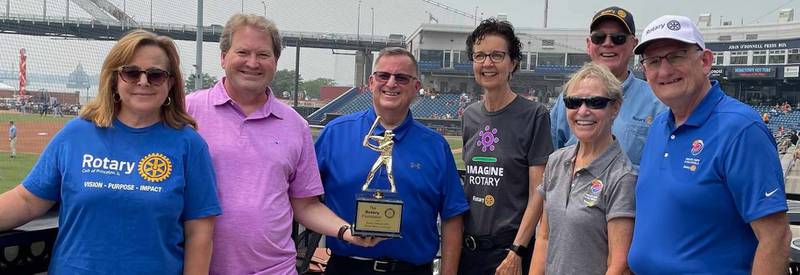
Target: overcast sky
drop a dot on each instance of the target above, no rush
(60, 56)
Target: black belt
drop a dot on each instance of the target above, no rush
(381, 265)
(488, 242)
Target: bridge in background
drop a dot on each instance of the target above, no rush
(105, 27)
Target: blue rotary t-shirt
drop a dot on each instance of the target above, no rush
(125, 194)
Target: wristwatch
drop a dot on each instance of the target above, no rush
(518, 249)
(342, 229)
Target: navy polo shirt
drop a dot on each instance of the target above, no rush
(424, 173)
(700, 186)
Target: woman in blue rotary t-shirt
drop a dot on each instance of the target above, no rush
(134, 179)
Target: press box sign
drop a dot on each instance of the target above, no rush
(791, 71)
(754, 72)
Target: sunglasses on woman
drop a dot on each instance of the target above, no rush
(618, 38)
(131, 74)
(593, 102)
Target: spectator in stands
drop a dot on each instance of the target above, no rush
(133, 178)
(263, 157)
(710, 195)
(796, 153)
(594, 178)
(12, 138)
(424, 169)
(765, 117)
(611, 40)
(506, 144)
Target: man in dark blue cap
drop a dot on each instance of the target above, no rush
(612, 36)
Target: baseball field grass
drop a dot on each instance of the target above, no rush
(33, 133)
(13, 171)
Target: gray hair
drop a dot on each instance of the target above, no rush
(397, 51)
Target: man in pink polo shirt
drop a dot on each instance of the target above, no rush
(263, 155)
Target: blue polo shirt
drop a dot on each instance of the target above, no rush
(700, 186)
(424, 173)
(639, 107)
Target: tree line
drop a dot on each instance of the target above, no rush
(283, 81)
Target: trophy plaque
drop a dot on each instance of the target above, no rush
(378, 212)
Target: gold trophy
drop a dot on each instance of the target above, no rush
(377, 215)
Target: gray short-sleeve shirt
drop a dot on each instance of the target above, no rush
(578, 208)
(499, 149)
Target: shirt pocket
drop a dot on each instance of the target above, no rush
(635, 136)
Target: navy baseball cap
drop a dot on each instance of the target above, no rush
(616, 13)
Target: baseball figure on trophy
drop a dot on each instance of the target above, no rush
(376, 214)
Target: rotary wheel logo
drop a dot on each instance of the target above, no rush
(389, 213)
(488, 200)
(155, 167)
(674, 25)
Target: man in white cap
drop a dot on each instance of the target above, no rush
(710, 194)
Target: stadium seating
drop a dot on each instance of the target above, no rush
(789, 121)
(333, 106)
(437, 107)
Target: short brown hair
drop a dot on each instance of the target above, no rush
(239, 21)
(102, 109)
(397, 51)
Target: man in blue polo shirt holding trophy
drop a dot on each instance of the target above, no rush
(411, 180)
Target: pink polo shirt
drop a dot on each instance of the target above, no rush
(261, 160)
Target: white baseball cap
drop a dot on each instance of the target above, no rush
(673, 27)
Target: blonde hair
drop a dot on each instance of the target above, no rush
(593, 70)
(103, 109)
(239, 21)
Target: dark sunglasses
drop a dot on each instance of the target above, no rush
(401, 79)
(131, 74)
(618, 38)
(593, 102)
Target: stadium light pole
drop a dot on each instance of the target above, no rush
(358, 22)
(151, 14)
(8, 9)
(198, 81)
(372, 36)
(264, 3)
(242, 6)
(44, 11)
